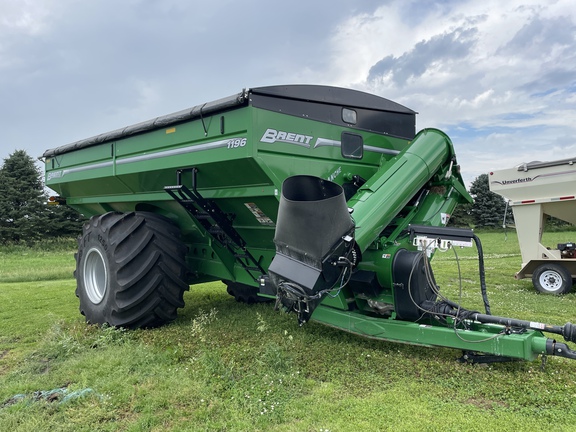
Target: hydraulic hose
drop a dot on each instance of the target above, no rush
(482, 274)
(457, 234)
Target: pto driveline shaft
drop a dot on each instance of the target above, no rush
(568, 330)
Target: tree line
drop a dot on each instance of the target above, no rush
(25, 216)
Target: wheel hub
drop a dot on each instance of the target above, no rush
(550, 280)
(95, 275)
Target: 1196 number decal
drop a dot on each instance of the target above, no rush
(236, 142)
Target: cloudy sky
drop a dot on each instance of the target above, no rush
(498, 76)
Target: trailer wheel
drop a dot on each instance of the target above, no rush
(130, 270)
(552, 279)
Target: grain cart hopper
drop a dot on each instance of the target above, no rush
(535, 190)
(322, 198)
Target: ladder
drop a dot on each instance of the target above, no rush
(216, 222)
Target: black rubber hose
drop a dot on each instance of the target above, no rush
(482, 274)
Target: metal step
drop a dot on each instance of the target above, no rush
(217, 223)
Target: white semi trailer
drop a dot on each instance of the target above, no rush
(534, 190)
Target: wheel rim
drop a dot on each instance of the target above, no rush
(550, 280)
(95, 275)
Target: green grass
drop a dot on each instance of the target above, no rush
(228, 366)
(50, 260)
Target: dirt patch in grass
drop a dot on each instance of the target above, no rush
(486, 404)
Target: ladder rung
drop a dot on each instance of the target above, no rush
(252, 268)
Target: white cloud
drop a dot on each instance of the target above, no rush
(24, 16)
(487, 66)
(497, 76)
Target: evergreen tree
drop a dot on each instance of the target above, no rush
(488, 208)
(461, 217)
(24, 213)
(22, 207)
(64, 221)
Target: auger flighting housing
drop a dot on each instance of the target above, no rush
(318, 197)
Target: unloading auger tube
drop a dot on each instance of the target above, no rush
(321, 241)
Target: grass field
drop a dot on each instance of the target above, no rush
(232, 367)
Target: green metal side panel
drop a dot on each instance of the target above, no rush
(242, 156)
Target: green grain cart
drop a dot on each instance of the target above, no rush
(324, 199)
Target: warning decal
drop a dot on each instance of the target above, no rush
(260, 216)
